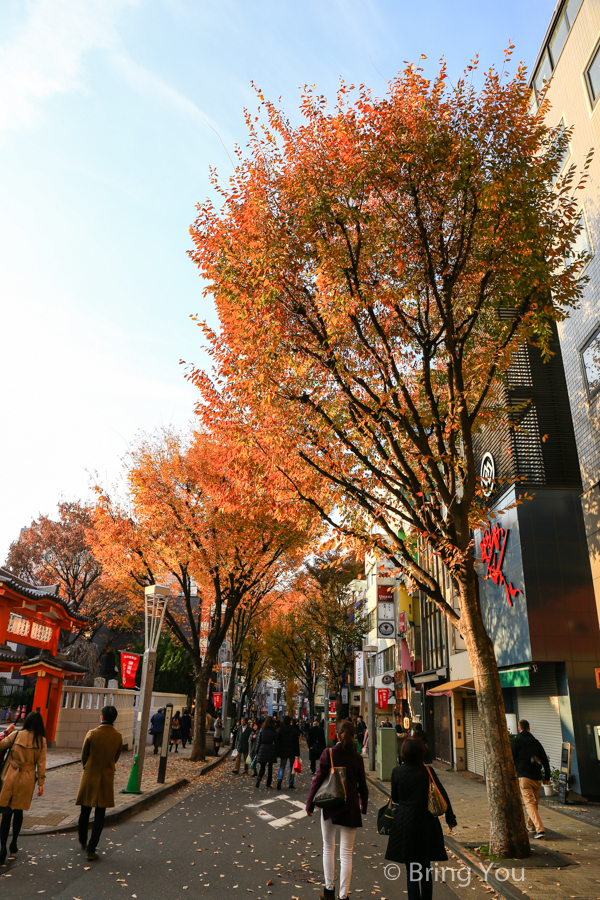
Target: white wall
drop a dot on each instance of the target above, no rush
(80, 711)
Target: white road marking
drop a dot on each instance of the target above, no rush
(283, 820)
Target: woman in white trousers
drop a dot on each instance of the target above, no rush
(347, 817)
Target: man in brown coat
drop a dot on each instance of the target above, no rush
(100, 752)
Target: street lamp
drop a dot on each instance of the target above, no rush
(156, 597)
(371, 651)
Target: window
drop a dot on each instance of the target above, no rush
(590, 358)
(592, 76)
(543, 73)
(559, 38)
(566, 152)
(555, 47)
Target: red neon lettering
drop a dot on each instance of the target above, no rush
(493, 545)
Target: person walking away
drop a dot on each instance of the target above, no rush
(360, 730)
(418, 733)
(288, 750)
(530, 757)
(266, 751)
(416, 838)
(242, 743)
(99, 754)
(157, 723)
(185, 727)
(316, 745)
(175, 735)
(253, 741)
(347, 817)
(218, 735)
(24, 764)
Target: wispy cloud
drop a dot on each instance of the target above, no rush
(45, 56)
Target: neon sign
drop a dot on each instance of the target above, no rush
(493, 545)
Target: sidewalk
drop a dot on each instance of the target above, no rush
(565, 865)
(56, 809)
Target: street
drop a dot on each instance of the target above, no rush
(218, 836)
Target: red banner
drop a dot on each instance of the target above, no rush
(217, 700)
(383, 695)
(129, 666)
(332, 707)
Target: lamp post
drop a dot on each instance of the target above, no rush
(371, 650)
(156, 597)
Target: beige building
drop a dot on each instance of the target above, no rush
(570, 57)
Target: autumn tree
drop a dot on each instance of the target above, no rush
(375, 270)
(255, 663)
(51, 551)
(293, 647)
(221, 533)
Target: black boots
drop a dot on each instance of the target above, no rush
(327, 894)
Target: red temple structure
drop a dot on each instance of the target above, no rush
(33, 616)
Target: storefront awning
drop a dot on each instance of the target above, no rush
(466, 684)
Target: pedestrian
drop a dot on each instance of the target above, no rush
(530, 757)
(288, 750)
(218, 735)
(316, 744)
(185, 727)
(360, 730)
(348, 817)
(266, 751)
(8, 731)
(416, 838)
(157, 728)
(25, 759)
(386, 723)
(175, 735)
(418, 733)
(99, 754)
(253, 741)
(242, 743)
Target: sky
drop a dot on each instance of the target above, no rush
(111, 114)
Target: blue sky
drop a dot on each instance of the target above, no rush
(111, 112)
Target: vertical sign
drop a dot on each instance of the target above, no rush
(332, 707)
(217, 700)
(383, 695)
(129, 667)
(359, 668)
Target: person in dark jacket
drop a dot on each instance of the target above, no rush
(530, 757)
(416, 838)
(348, 817)
(266, 751)
(360, 730)
(418, 733)
(242, 744)
(316, 745)
(288, 749)
(157, 723)
(185, 727)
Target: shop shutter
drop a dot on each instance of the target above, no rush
(473, 736)
(538, 703)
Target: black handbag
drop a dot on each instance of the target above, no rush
(385, 817)
(332, 793)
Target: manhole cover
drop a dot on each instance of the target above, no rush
(300, 875)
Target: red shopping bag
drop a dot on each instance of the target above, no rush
(298, 765)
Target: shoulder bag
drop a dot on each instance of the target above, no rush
(5, 754)
(385, 817)
(332, 793)
(436, 804)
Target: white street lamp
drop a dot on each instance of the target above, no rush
(156, 597)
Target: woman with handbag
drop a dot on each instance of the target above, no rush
(26, 756)
(346, 813)
(416, 837)
(266, 751)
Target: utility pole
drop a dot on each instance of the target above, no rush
(371, 721)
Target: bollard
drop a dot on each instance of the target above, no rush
(132, 784)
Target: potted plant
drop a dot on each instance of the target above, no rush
(552, 788)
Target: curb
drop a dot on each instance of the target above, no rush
(138, 804)
(63, 765)
(504, 888)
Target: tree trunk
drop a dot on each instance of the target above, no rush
(508, 835)
(199, 745)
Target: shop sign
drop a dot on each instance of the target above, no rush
(387, 679)
(217, 700)
(402, 621)
(359, 667)
(493, 545)
(386, 629)
(356, 698)
(487, 473)
(383, 695)
(332, 707)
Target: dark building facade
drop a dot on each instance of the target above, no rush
(536, 588)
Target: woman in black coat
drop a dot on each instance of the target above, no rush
(416, 838)
(348, 817)
(266, 751)
(316, 744)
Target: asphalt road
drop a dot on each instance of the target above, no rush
(221, 838)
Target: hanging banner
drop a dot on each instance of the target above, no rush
(359, 668)
(332, 707)
(217, 700)
(129, 667)
(383, 695)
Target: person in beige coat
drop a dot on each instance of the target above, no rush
(100, 752)
(24, 764)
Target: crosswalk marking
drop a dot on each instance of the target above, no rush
(282, 820)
